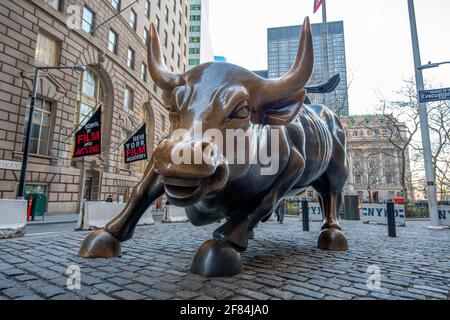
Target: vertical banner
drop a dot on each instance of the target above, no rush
(88, 140)
(135, 148)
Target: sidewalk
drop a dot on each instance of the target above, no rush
(55, 219)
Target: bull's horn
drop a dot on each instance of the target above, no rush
(161, 75)
(299, 74)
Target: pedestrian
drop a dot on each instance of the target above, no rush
(279, 211)
(110, 198)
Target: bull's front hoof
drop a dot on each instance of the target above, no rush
(100, 244)
(216, 259)
(332, 239)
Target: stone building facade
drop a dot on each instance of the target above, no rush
(68, 32)
(375, 163)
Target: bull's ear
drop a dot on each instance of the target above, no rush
(283, 112)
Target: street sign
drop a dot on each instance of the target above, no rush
(434, 95)
(10, 165)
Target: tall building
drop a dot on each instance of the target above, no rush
(282, 49)
(200, 45)
(48, 33)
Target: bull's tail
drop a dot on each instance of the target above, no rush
(326, 87)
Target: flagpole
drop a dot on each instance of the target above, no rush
(326, 70)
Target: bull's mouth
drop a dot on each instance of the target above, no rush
(185, 192)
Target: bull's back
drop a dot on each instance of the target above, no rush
(315, 132)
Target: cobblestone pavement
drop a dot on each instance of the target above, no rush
(281, 263)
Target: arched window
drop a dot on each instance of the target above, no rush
(90, 94)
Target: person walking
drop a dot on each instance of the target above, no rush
(279, 211)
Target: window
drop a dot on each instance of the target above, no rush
(55, 4)
(88, 20)
(130, 58)
(145, 36)
(40, 128)
(194, 28)
(196, 7)
(147, 8)
(128, 98)
(174, 7)
(159, 4)
(194, 62)
(157, 23)
(167, 14)
(179, 39)
(166, 38)
(116, 4)
(112, 41)
(179, 61)
(195, 18)
(173, 51)
(163, 123)
(194, 50)
(194, 39)
(133, 19)
(90, 93)
(47, 51)
(144, 72)
(173, 28)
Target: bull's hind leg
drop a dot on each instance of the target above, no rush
(105, 243)
(332, 237)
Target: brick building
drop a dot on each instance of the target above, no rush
(68, 32)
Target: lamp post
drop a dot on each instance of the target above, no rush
(429, 170)
(26, 151)
(432, 65)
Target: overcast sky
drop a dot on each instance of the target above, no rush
(377, 36)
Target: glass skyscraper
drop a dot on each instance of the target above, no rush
(282, 49)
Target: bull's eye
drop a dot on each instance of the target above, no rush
(241, 112)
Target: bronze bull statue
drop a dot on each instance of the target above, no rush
(311, 152)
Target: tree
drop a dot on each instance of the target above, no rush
(403, 125)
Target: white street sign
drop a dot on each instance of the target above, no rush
(444, 215)
(10, 165)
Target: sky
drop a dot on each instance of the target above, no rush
(377, 35)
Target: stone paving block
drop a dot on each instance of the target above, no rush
(100, 297)
(304, 292)
(136, 287)
(128, 295)
(49, 291)
(17, 292)
(156, 294)
(107, 287)
(253, 294)
(25, 277)
(284, 295)
(337, 294)
(186, 295)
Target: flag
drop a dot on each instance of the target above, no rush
(317, 5)
(135, 148)
(88, 140)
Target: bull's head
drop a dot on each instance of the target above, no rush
(220, 96)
